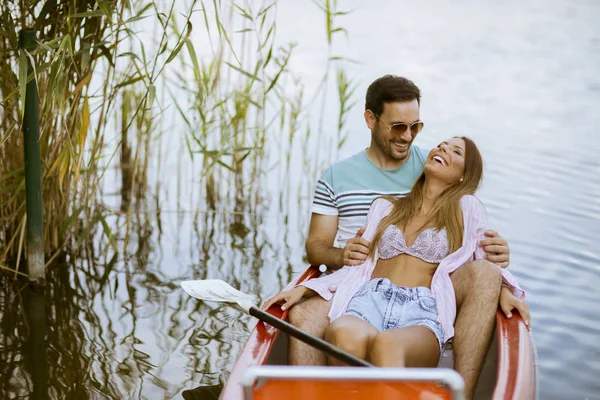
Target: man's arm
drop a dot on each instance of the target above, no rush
(319, 243)
(320, 249)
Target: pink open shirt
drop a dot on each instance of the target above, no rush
(346, 281)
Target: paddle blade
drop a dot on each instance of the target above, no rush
(219, 291)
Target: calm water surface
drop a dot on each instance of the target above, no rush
(521, 79)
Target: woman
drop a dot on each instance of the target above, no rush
(398, 307)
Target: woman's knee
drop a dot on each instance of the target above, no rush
(385, 351)
(347, 337)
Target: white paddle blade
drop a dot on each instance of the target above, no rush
(219, 291)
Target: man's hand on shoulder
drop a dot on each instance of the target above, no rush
(496, 248)
(356, 250)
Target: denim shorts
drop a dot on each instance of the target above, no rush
(387, 306)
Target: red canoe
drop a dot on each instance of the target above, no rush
(509, 371)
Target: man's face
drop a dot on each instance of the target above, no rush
(392, 145)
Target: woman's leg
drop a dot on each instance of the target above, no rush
(412, 346)
(351, 334)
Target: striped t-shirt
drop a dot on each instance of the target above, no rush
(348, 187)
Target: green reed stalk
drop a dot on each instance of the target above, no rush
(33, 189)
(82, 67)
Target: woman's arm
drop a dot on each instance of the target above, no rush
(510, 282)
(509, 302)
(289, 297)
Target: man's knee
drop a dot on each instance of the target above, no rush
(478, 273)
(485, 272)
(477, 278)
(299, 314)
(310, 315)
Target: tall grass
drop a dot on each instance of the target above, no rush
(104, 103)
(87, 74)
(75, 38)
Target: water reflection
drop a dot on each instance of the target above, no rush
(203, 392)
(44, 340)
(134, 329)
(36, 356)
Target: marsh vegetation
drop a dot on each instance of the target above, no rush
(151, 113)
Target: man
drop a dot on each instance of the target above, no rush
(390, 166)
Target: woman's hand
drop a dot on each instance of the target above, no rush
(287, 297)
(509, 302)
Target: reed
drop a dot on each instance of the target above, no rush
(105, 97)
(74, 39)
(90, 69)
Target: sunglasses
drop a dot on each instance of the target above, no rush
(398, 128)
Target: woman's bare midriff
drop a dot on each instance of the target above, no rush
(405, 270)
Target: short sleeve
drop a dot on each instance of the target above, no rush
(421, 153)
(324, 201)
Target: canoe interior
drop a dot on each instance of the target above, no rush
(485, 385)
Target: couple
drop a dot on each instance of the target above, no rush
(400, 280)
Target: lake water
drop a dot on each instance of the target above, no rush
(520, 78)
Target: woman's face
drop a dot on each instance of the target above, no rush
(447, 161)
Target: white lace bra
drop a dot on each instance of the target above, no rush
(430, 246)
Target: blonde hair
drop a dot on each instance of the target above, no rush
(446, 211)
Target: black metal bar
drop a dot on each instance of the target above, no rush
(311, 340)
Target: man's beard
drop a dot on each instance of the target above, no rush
(386, 146)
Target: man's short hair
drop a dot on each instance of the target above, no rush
(390, 89)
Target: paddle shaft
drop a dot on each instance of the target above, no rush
(311, 340)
